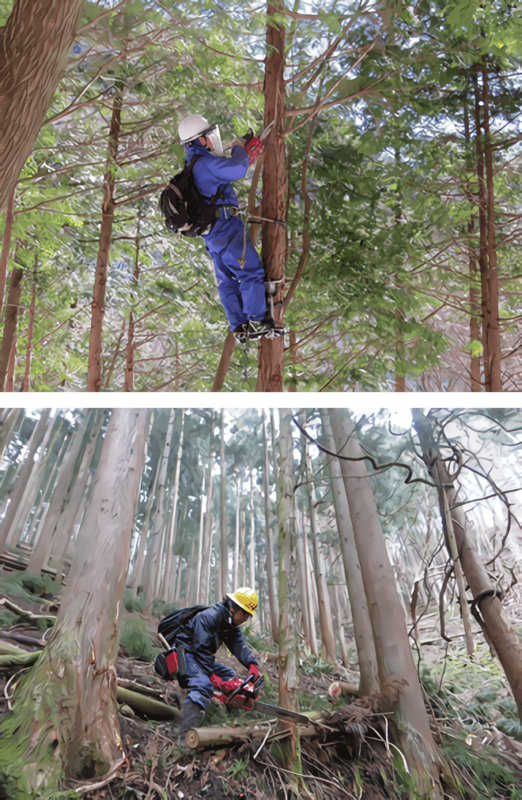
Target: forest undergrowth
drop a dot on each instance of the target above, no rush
(473, 719)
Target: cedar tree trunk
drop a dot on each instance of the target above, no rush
(362, 626)
(273, 207)
(64, 718)
(102, 264)
(489, 612)
(11, 321)
(394, 656)
(34, 45)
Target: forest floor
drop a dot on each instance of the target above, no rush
(348, 755)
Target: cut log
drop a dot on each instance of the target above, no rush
(203, 737)
(138, 687)
(338, 688)
(146, 705)
(23, 613)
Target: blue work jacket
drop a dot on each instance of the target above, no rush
(210, 171)
(208, 629)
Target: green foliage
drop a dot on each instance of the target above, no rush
(161, 609)
(239, 769)
(314, 665)
(136, 639)
(257, 642)
(26, 586)
(132, 603)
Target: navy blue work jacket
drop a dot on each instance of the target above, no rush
(208, 629)
(210, 171)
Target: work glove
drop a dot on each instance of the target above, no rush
(254, 670)
(254, 148)
(225, 686)
(248, 136)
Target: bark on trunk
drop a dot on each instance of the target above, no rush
(129, 350)
(273, 207)
(288, 645)
(269, 541)
(252, 547)
(236, 542)
(394, 656)
(8, 419)
(145, 527)
(65, 527)
(494, 344)
(362, 626)
(11, 321)
(223, 510)
(35, 43)
(493, 619)
(102, 264)
(23, 477)
(30, 330)
(167, 590)
(26, 502)
(6, 244)
(66, 476)
(224, 362)
(483, 246)
(207, 530)
(200, 540)
(9, 384)
(325, 611)
(81, 732)
(303, 585)
(152, 561)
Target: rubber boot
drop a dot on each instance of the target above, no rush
(192, 713)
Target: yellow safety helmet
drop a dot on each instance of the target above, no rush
(245, 598)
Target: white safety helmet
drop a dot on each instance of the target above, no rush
(194, 125)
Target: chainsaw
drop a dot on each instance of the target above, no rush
(245, 696)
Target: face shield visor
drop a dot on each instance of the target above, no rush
(215, 137)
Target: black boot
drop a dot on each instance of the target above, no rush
(192, 713)
(240, 334)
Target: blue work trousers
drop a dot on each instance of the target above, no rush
(241, 290)
(198, 681)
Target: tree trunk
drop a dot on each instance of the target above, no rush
(269, 541)
(129, 350)
(288, 645)
(483, 247)
(11, 321)
(362, 626)
(325, 612)
(223, 510)
(394, 656)
(494, 621)
(145, 528)
(242, 548)
(207, 531)
(26, 502)
(224, 362)
(252, 548)
(273, 207)
(304, 586)
(81, 732)
(64, 481)
(65, 526)
(102, 264)
(494, 344)
(35, 44)
(30, 330)
(236, 543)
(9, 384)
(200, 539)
(8, 419)
(153, 558)
(6, 244)
(23, 477)
(167, 589)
